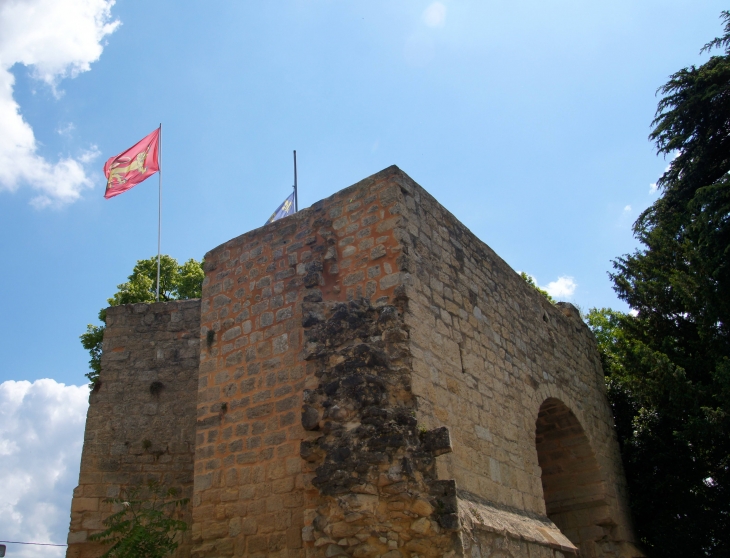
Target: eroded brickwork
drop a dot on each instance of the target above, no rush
(375, 382)
(375, 470)
(140, 424)
(253, 491)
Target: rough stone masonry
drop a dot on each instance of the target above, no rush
(364, 378)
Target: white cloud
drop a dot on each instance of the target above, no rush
(562, 288)
(58, 39)
(41, 436)
(66, 130)
(653, 188)
(627, 209)
(435, 15)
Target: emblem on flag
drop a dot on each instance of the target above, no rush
(136, 164)
(285, 209)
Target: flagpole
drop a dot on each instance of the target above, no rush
(296, 201)
(159, 210)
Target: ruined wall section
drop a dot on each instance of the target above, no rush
(252, 489)
(140, 425)
(487, 351)
(375, 469)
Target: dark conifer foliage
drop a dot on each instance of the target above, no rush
(668, 367)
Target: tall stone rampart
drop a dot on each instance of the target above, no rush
(262, 487)
(140, 425)
(491, 355)
(390, 326)
(373, 381)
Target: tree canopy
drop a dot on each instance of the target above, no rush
(176, 282)
(667, 367)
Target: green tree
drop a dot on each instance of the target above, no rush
(668, 368)
(92, 340)
(530, 281)
(147, 523)
(176, 282)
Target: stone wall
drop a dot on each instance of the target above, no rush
(373, 381)
(140, 424)
(376, 474)
(398, 335)
(254, 494)
(488, 351)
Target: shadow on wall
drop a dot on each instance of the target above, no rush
(575, 494)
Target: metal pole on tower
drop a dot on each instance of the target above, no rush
(296, 200)
(159, 214)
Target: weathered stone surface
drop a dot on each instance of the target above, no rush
(495, 363)
(310, 417)
(437, 441)
(140, 424)
(375, 381)
(370, 442)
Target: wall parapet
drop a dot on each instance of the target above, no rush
(140, 424)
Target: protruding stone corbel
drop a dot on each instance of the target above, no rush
(437, 441)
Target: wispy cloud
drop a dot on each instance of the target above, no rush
(626, 217)
(66, 130)
(435, 15)
(562, 288)
(57, 39)
(41, 435)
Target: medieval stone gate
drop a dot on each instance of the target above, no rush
(364, 378)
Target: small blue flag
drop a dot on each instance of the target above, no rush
(284, 210)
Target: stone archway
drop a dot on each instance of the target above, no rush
(575, 494)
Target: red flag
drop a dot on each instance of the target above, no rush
(138, 163)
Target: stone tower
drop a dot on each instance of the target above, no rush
(364, 378)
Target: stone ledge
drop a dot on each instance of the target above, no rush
(476, 513)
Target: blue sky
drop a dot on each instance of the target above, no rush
(528, 120)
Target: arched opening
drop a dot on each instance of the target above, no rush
(575, 495)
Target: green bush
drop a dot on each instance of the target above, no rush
(146, 525)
